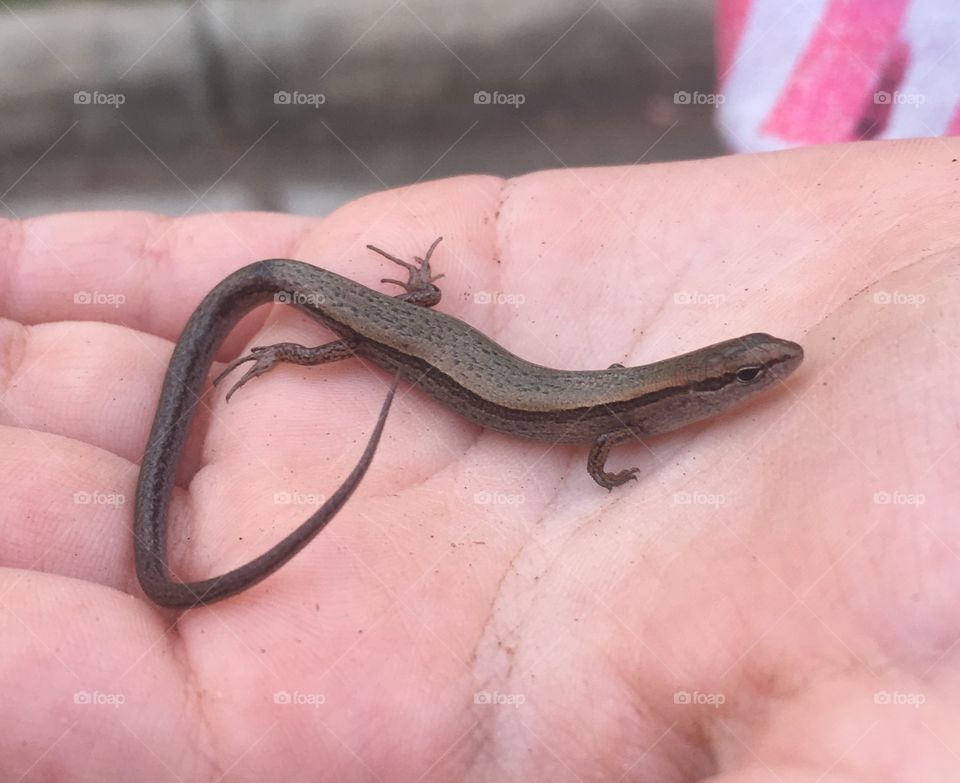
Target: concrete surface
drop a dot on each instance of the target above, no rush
(301, 106)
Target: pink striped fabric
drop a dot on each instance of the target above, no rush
(793, 74)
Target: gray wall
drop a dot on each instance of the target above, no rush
(180, 107)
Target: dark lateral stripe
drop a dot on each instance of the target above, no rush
(430, 376)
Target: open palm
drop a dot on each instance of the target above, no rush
(773, 599)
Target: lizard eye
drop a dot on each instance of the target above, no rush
(750, 373)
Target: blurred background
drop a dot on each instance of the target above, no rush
(187, 107)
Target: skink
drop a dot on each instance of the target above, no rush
(448, 359)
